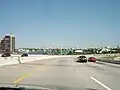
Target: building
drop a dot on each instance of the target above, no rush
(7, 44)
(2, 46)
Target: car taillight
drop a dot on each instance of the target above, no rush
(93, 58)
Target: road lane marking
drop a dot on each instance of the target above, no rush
(103, 85)
(17, 81)
(23, 76)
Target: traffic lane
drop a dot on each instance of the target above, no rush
(105, 67)
(109, 75)
(102, 73)
(63, 74)
(9, 73)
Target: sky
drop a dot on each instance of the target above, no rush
(65, 23)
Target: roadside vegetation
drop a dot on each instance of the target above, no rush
(69, 51)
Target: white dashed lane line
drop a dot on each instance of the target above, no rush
(103, 85)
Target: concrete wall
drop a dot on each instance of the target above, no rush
(17, 59)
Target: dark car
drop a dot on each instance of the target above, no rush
(24, 55)
(82, 59)
(92, 59)
(6, 55)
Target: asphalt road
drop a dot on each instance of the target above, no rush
(62, 74)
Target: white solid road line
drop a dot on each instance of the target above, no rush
(103, 85)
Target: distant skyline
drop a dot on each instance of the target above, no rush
(69, 23)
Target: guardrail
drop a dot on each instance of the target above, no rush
(109, 61)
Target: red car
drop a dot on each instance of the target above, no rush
(92, 59)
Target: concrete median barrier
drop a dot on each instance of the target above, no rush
(18, 60)
(8, 61)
